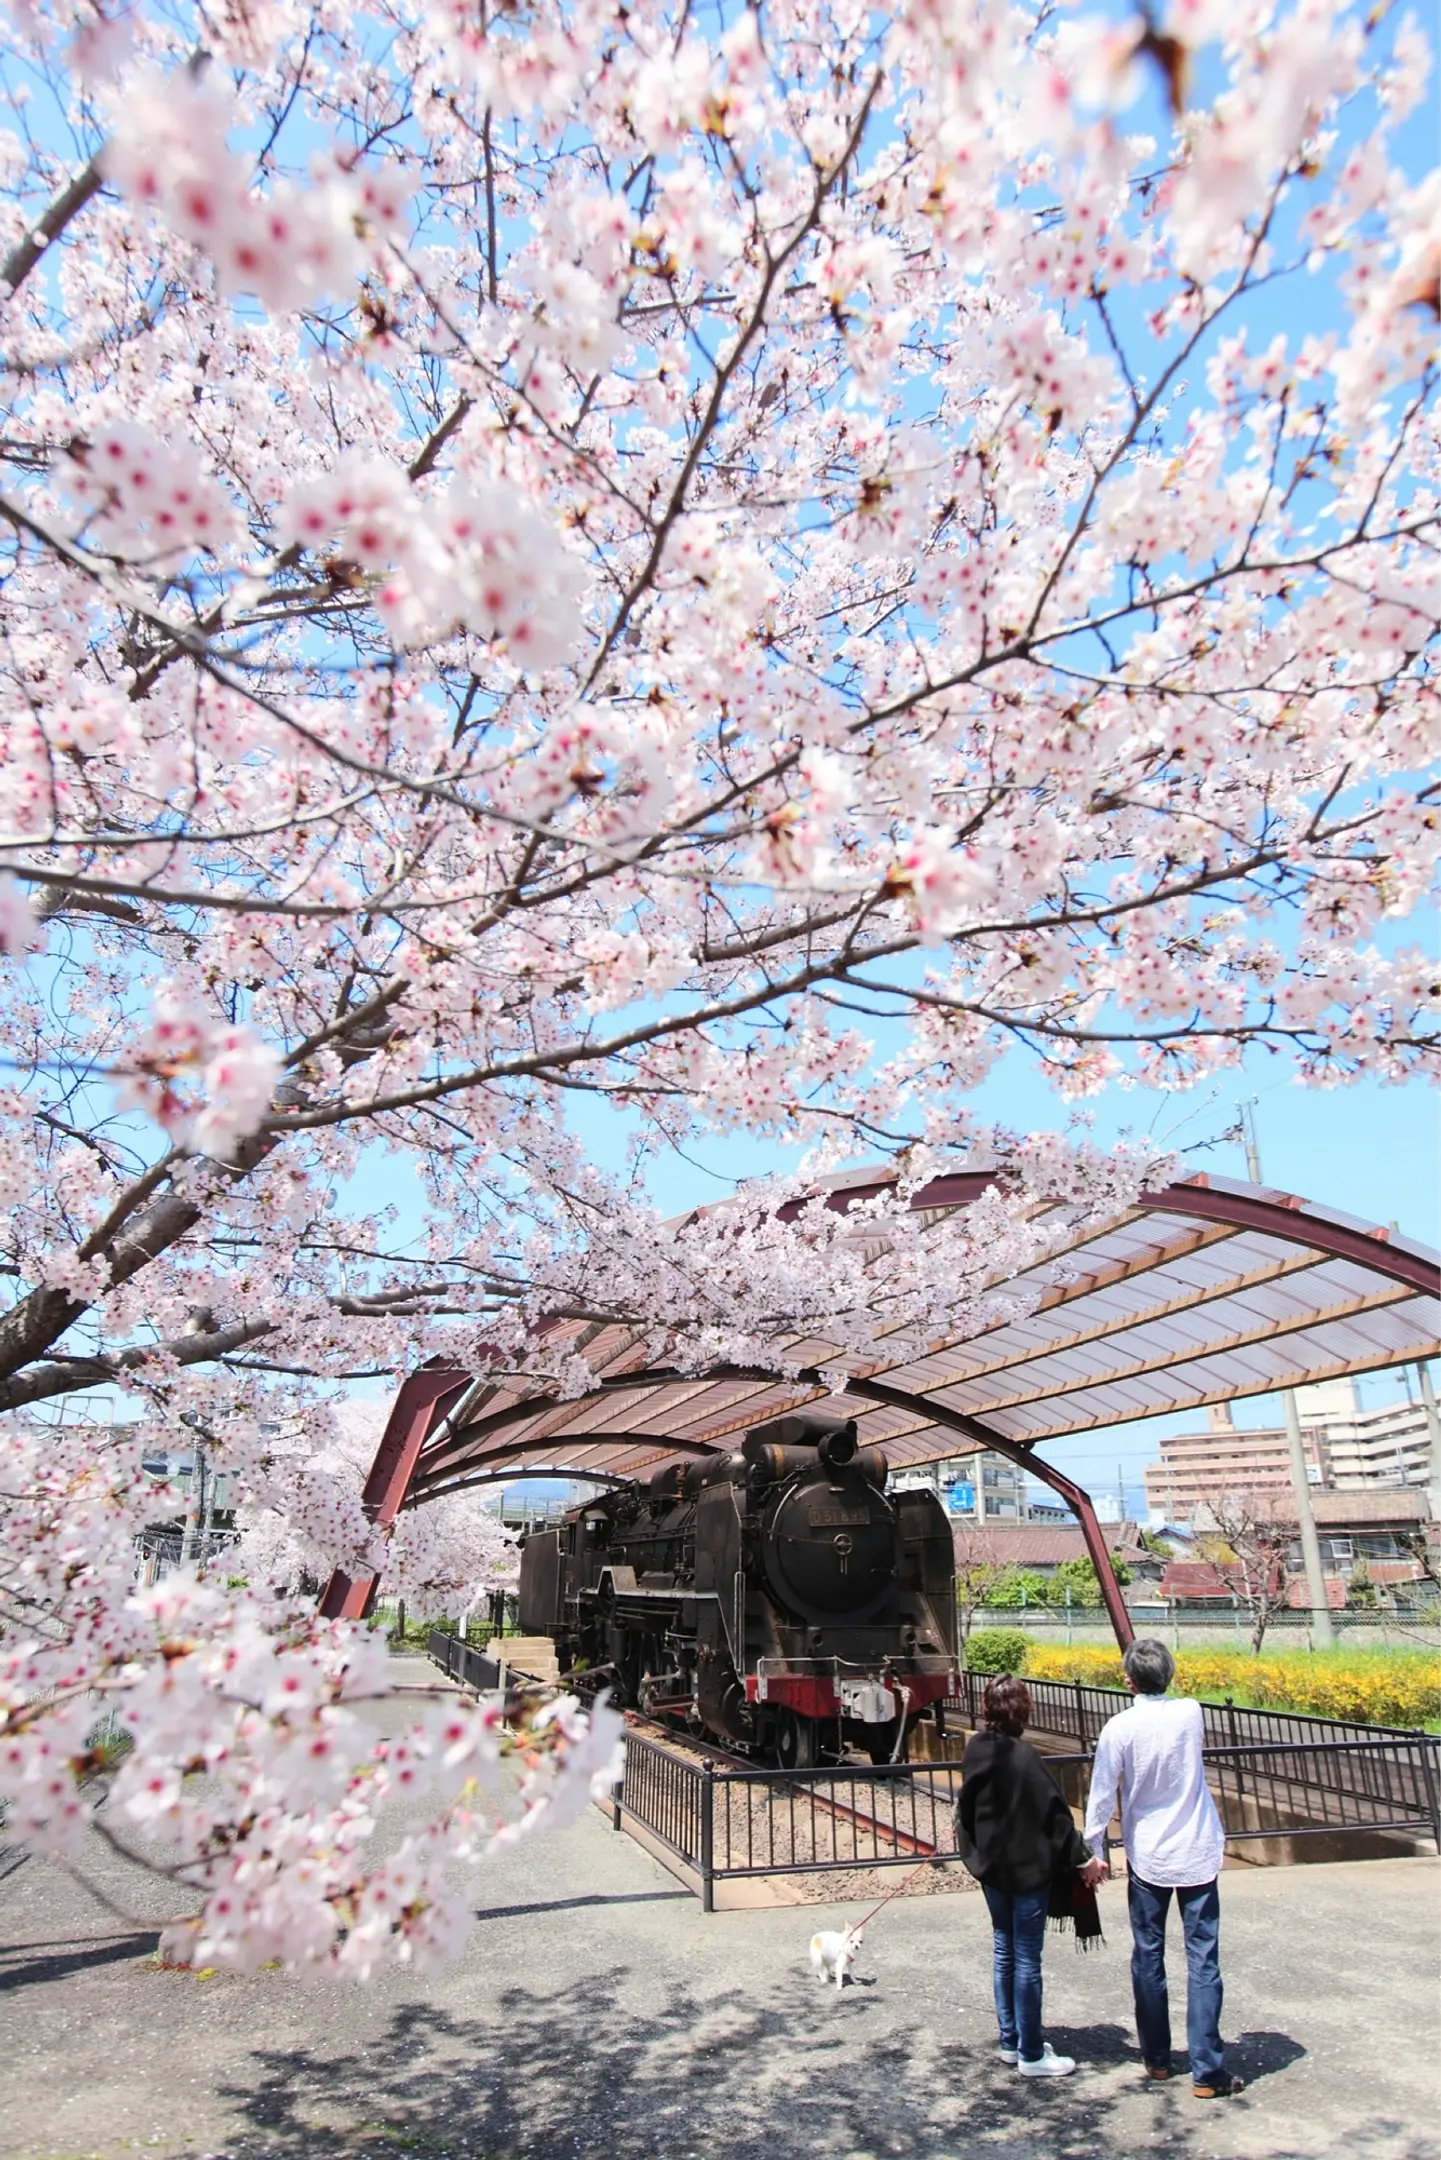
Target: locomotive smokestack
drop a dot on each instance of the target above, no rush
(839, 1447)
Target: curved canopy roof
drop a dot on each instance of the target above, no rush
(1204, 1292)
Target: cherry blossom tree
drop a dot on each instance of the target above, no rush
(439, 1560)
(1245, 1538)
(738, 563)
(980, 1571)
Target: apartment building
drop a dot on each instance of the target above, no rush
(981, 1489)
(1347, 1447)
(1385, 1446)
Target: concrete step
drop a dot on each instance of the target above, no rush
(534, 1654)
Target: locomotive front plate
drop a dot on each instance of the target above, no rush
(827, 1554)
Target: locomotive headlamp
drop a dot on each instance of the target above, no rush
(839, 1447)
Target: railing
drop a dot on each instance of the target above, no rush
(463, 1661)
(1334, 1755)
(673, 1797)
(1075, 1710)
(1274, 1774)
(1322, 1788)
(1403, 1620)
(724, 1822)
(1067, 1708)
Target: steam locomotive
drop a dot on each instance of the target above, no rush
(777, 1596)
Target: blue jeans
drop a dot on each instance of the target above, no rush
(1201, 1926)
(1020, 1936)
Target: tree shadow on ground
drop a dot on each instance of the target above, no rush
(30, 1964)
(575, 2075)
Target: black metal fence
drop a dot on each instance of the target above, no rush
(722, 1821)
(1391, 1768)
(1073, 1710)
(1292, 1789)
(1274, 1774)
(463, 1661)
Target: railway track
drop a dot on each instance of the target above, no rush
(835, 1810)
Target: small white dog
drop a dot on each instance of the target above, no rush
(833, 1951)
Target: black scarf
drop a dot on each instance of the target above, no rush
(1073, 1904)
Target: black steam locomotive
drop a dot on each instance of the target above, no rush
(777, 1596)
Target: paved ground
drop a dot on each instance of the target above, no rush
(600, 2013)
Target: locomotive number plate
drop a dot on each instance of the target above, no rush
(837, 1518)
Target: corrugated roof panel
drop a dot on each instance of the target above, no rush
(1210, 1292)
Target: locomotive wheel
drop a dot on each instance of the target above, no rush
(795, 1741)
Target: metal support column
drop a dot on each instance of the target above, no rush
(419, 1407)
(707, 1835)
(1433, 1434)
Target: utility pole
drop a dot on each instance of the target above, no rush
(194, 1507)
(1433, 1434)
(1321, 1626)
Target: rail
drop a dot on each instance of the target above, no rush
(1333, 1753)
(721, 1821)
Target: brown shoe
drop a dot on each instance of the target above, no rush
(1221, 2088)
(1160, 2075)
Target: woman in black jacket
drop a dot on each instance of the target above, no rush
(1018, 1840)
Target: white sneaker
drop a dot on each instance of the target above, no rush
(1050, 2064)
(1009, 2055)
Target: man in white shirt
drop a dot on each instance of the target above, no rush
(1174, 1847)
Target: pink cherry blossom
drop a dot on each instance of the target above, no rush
(739, 566)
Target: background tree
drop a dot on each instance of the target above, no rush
(1361, 1593)
(438, 1560)
(1246, 1537)
(1081, 1579)
(1018, 1587)
(979, 1571)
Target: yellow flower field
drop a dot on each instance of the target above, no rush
(1399, 1688)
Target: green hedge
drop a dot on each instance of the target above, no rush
(997, 1650)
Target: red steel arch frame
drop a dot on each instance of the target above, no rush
(1373, 1303)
